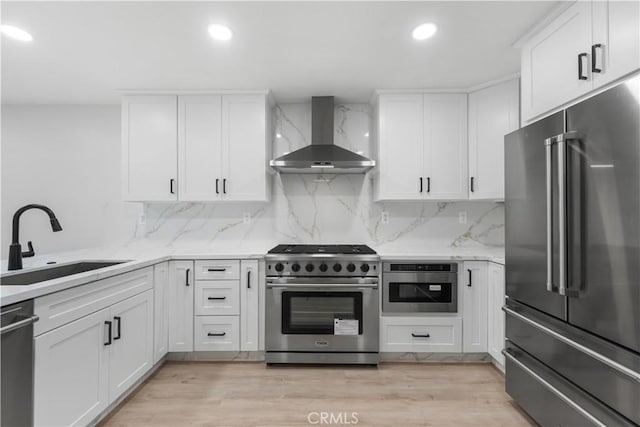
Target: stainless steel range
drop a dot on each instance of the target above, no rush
(322, 304)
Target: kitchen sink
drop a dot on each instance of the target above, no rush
(50, 273)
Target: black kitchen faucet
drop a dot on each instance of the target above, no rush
(15, 250)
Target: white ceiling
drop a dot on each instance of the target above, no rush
(85, 52)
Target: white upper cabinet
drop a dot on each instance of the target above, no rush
(199, 147)
(552, 61)
(205, 147)
(493, 113)
(400, 147)
(422, 147)
(149, 158)
(445, 146)
(245, 137)
(587, 46)
(616, 40)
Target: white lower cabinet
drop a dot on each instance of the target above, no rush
(495, 301)
(249, 305)
(181, 285)
(160, 311)
(217, 333)
(421, 334)
(71, 371)
(473, 285)
(83, 366)
(131, 351)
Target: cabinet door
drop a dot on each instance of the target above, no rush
(474, 307)
(131, 354)
(550, 62)
(244, 148)
(400, 147)
(181, 286)
(616, 28)
(493, 113)
(160, 311)
(149, 157)
(495, 301)
(200, 147)
(249, 306)
(445, 146)
(71, 375)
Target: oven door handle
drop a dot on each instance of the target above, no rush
(323, 286)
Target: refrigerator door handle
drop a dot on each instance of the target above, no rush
(548, 144)
(552, 389)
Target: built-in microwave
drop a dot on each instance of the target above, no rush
(419, 287)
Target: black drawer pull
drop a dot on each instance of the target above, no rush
(420, 335)
(216, 298)
(470, 277)
(594, 66)
(421, 185)
(211, 334)
(580, 76)
(428, 185)
(171, 190)
(217, 270)
(109, 340)
(186, 279)
(472, 186)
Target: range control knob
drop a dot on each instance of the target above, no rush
(351, 268)
(295, 267)
(279, 267)
(337, 268)
(309, 267)
(323, 267)
(364, 268)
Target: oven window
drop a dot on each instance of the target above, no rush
(314, 312)
(419, 292)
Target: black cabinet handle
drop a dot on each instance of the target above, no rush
(594, 67)
(580, 76)
(421, 186)
(428, 185)
(420, 335)
(472, 188)
(217, 180)
(470, 277)
(248, 279)
(171, 182)
(210, 334)
(216, 298)
(118, 331)
(219, 270)
(224, 185)
(109, 340)
(186, 279)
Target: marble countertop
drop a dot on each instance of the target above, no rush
(13, 294)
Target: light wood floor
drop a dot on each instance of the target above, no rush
(251, 394)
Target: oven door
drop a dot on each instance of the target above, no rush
(332, 316)
(416, 292)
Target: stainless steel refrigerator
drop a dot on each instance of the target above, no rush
(572, 208)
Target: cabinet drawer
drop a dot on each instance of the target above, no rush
(65, 306)
(218, 270)
(217, 297)
(217, 333)
(421, 334)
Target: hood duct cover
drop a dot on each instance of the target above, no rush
(322, 156)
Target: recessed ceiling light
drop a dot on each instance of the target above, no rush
(16, 33)
(220, 32)
(424, 31)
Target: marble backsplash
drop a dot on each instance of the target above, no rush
(322, 208)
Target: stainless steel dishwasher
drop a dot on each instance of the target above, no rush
(16, 329)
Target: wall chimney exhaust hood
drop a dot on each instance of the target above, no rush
(322, 156)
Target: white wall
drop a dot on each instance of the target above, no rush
(67, 158)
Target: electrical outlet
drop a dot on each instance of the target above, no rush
(462, 217)
(246, 217)
(142, 218)
(385, 217)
